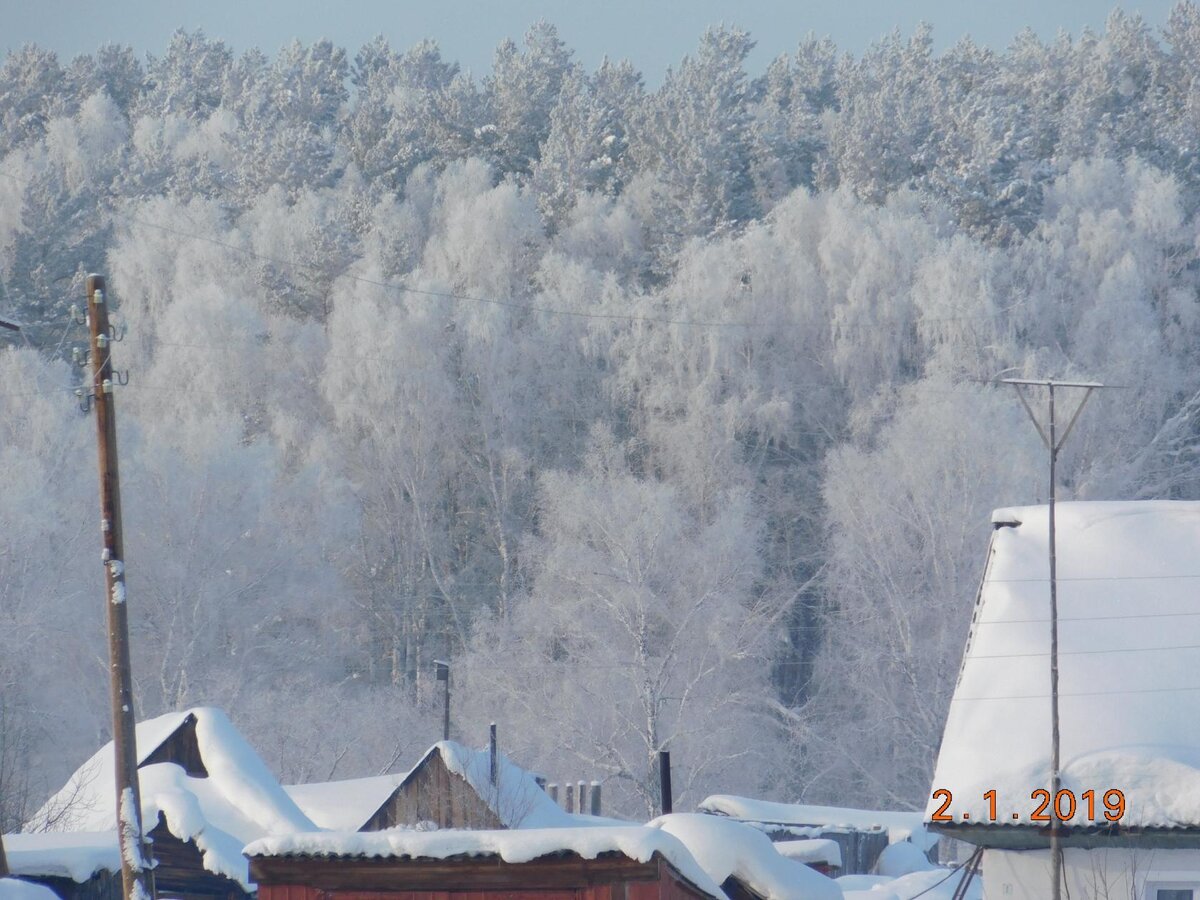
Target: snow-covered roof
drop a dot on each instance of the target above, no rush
(240, 800)
(77, 855)
(725, 849)
(636, 842)
(517, 799)
(344, 805)
(900, 825)
(1129, 667)
(15, 889)
(812, 851)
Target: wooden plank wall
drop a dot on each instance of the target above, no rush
(180, 871)
(434, 794)
(666, 886)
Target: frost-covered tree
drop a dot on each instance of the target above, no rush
(521, 93)
(908, 527)
(410, 109)
(693, 141)
(587, 148)
(188, 79)
(882, 136)
(32, 91)
(642, 631)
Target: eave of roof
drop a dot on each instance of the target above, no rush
(1028, 837)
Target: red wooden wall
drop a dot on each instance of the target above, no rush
(666, 887)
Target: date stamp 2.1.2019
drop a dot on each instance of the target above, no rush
(1066, 806)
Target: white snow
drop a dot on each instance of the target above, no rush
(902, 858)
(862, 882)
(935, 884)
(900, 825)
(726, 848)
(636, 842)
(1129, 663)
(343, 805)
(77, 855)
(15, 889)
(813, 850)
(130, 833)
(239, 802)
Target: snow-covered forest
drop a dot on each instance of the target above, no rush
(667, 414)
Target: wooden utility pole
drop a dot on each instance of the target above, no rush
(136, 876)
(8, 326)
(1054, 443)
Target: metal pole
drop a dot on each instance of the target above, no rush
(135, 871)
(1055, 779)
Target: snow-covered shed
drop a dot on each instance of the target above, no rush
(1129, 705)
(205, 794)
(743, 861)
(861, 834)
(629, 863)
(451, 787)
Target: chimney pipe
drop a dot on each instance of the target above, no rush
(664, 779)
(493, 762)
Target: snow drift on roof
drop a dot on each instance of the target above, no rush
(343, 805)
(77, 855)
(900, 825)
(811, 851)
(635, 842)
(1129, 666)
(239, 802)
(727, 849)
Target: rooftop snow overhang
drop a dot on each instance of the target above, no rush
(1028, 837)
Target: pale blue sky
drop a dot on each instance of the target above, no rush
(652, 34)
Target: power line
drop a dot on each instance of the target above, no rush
(530, 307)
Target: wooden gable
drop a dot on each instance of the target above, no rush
(180, 747)
(432, 793)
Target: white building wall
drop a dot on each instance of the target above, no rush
(1116, 874)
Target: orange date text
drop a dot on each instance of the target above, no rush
(1065, 805)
